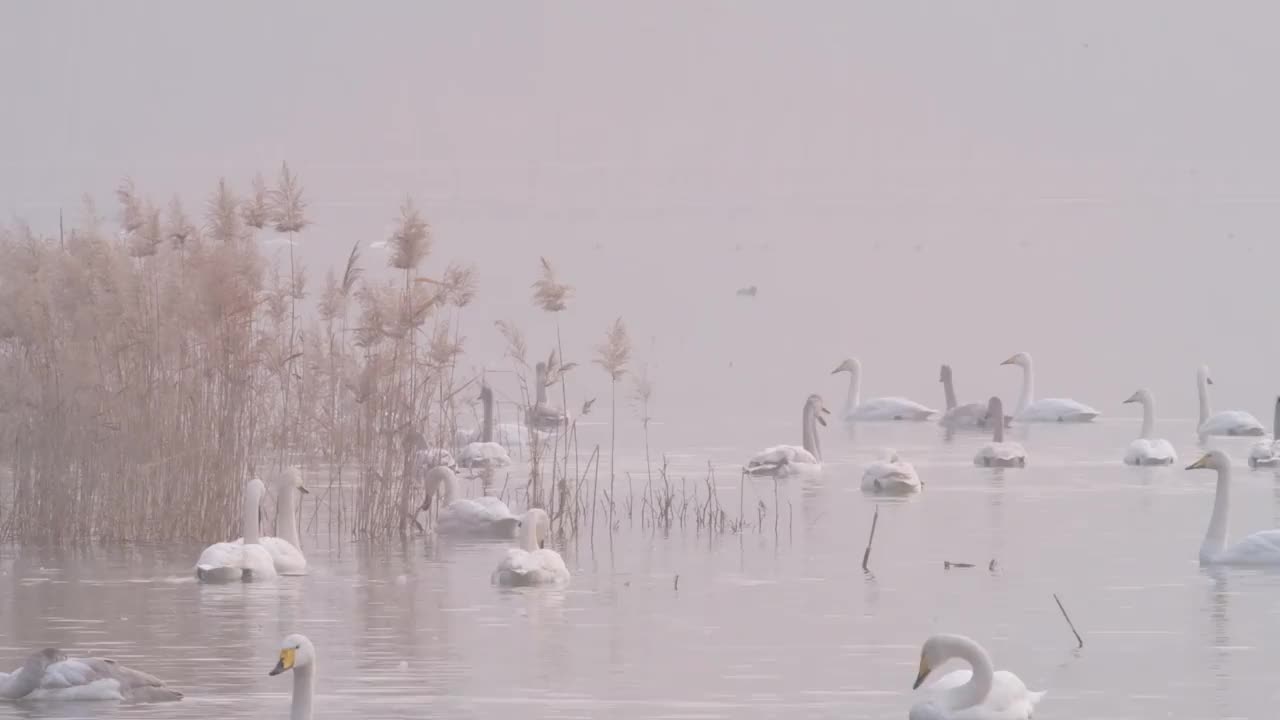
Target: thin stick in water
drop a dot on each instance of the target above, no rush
(1069, 623)
(866, 555)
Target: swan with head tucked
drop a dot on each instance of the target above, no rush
(285, 549)
(783, 460)
(1147, 449)
(51, 675)
(998, 452)
(879, 409)
(1266, 453)
(533, 563)
(1227, 422)
(482, 517)
(1260, 548)
(967, 416)
(298, 655)
(891, 476)
(484, 453)
(980, 693)
(246, 560)
(1047, 409)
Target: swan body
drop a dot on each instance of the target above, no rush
(427, 458)
(543, 416)
(284, 550)
(884, 409)
(532, 563)
(483, 455)
(970, 416)
(482, 517)
(298, 655)
(1227, 422)
(505, 437)
(782, 460)
(1260, 548)
(999, 452)
(1147, 449)
(1266, 453)
(245, 560)
(51, 675)
(980, 693)
(891, 476)
(1047, 409)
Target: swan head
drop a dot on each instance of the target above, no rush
(850, 365)
(43, 659)
(815, 405)
(995, 409)
(1141, 396)
(1212, 460)
(1203, 375)
(537, 524)
(292, 480)
(486, 393)
(944, 374)
(1020, 359)
(296, 651)
(256, 488)
(937, 650)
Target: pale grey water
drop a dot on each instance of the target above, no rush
(761, 626)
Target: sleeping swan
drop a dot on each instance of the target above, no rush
(1260, 548)
(891, 476)
(482, 517)
(298, 655)
(1266, 453)
(978, 694)
(1048, 409)
(284, 550)
(51, 675)
(967, 416)
(247, 560)
(886, 409)
(998, 452)
(1148, 450)
(532, 563)
(782, 460)
(1227, 422)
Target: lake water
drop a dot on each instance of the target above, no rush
(777, 621)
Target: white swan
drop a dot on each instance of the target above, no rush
(484, 453)
(891, 476)
(981, 693)
(285, 549)
(786, 459)
(509, 435)
(1047, 409)
(51, 675)
(1266, 453)
(298, 655)
(543, 416)
(247, 560)
(1227, 422)
(879, 409)
(1260, 548)
(969, 415)
(484, 516)
(999, 453)
(532, 563)
(1148, 450)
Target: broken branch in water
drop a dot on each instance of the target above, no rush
(947, 565)
(1069, 623)
(866, 555)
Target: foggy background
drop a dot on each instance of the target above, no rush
(911, 183)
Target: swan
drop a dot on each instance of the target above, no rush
(1260, 548)
(508, 435)
(484, 453)
(479, 517)
(1148, 450)
(891, 476)
(543, 416)
(248, 560)
(781, 460)
(285, 550)
(999, 453)
(981, 693)
(1047, 409)
(51, 675)
(1227, 422)
(969, 415)
(298, 655)
(888, 408)
(532, 563)
(1267, 452)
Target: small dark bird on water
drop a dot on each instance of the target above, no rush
(747, 291)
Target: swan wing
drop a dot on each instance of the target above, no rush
(970, 415)
(888, 476)
(541, 567)
(1145, 451)
(1009, 699)
(1057, 410)
(482, 454)
(1260, 548)
(1232, 422)
(287, 558)
(1000, 452)
(220, 562)
(891, 408)
(484, 516)
(257, 562)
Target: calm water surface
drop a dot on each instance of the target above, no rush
(778, 621)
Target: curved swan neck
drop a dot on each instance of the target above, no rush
(1202, 381)
(252, 500)
(854, 398)
(809, 423)
(1275, 422)
(1148, 416)
(949, 390)
(289, 523)
(529, 534)
(979, 685)
(1028, 387)
(995, 416)
(303, 691)
(486, 399)
(540, 371)
(1215, 539)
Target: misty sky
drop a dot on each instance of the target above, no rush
(907, 182)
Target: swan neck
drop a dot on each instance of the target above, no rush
(853, 398)
(1148, 418)
(486, 431)
(249, 519)
(1028, 388)
(529, 534)
(979, 685)
(997, 424)
(809, 425)
(450, 488)
(1215, 540)
(22, 682)
(949, 390)
(303, 690)
(289, 523)
(1275, 422)
(1205, 410)
(542, 386)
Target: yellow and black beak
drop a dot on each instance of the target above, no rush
(285, 662)
(924, 672)
(1199, 464)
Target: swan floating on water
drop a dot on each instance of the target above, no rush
(1260, 548)
(285, 550)
(999, 453)
(1266, 453)
(532, 563)
(509, 435)
(969, 415)
(891, 476)
(879, 409)
(484, 453)
(543, 416)
(247, 560)
(298, 655)
(1148, 450)
(484, 516)
(781, 460)
(1047, 409)
(1227, 422)
(981, 693)
(51, 675)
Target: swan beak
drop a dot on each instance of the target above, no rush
(426, 505)
(1200, 464)
(837, 370)
(304, 489)
(821, 422)
(924, 672)
(1010, 361)
(1208, 381)
(285, 662)
(1132, 399)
